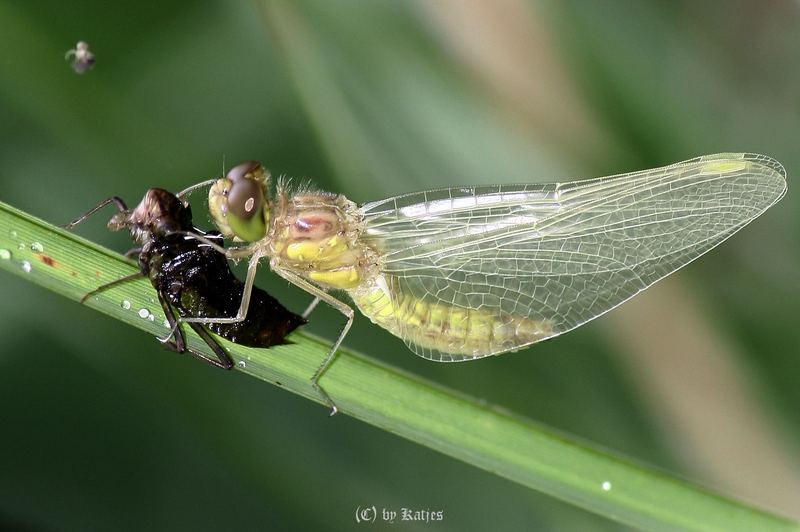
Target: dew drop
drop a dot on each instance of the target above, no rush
(13, 234)
(242, 364)
(26, 267)
(21, 246)
(37, 247)
(5, 254)
(144, 313)
(165, 323)
(126, 304)
(606, 486)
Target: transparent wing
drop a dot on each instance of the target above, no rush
(562, 254)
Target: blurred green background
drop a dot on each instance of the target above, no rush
(103, 430)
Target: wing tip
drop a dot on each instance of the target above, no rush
(775, 172)
(778, 173)
(756, 158)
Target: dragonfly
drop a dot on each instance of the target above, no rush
(469, 272)
(192, 278)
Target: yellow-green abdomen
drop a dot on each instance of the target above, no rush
(445, 332)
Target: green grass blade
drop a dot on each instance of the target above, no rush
(404, 404)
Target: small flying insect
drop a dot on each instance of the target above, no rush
(193, 278)
(82, 57)
(468, 272)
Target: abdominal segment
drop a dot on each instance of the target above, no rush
(466, 333)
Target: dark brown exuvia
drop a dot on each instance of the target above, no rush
(193, 278)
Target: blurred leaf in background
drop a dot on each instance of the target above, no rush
(697, 376)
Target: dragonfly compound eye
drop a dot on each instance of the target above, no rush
(238, 202)
(245, 199)
(247, 170)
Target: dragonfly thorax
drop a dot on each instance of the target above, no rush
(317, 235)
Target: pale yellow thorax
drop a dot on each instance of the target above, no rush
(315, 235)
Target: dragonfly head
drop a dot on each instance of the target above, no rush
(238, 202)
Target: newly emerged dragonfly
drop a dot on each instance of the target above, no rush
(193, 278)
(467, 272)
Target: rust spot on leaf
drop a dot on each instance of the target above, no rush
(50, 261)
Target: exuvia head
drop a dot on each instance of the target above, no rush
(238, 202)
(160, 212)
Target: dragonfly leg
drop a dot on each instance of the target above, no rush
(133, 252)
(187, 191)
(223, 359)
(104, 287)
(310, 308)
(172, 330)
(244, 305)
(115, 200)
(231, 253)
(321, 295)
(179, 344)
